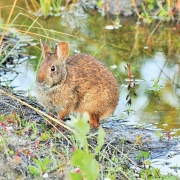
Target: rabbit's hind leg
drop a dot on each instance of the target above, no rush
(94, 120)
(62, 114)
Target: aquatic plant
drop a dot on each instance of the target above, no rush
(47, 7)
(153, 10)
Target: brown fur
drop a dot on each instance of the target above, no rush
(79, 83)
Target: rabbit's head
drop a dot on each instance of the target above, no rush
(52, 71)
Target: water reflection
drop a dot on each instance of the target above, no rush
(24, 81)
(169, 163)
(154, 102)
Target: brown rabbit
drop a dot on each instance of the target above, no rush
(78, 83)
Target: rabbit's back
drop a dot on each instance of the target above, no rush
(86, 70)
(93, 84)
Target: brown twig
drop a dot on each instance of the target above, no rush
(39, 112)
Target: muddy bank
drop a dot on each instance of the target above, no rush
(138, 138)
(21, 144)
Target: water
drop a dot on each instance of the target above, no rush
(152, 52)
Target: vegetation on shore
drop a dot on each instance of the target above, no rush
(41, 147)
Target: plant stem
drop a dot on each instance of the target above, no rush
(9, 17)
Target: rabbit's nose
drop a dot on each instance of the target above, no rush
(40, 79)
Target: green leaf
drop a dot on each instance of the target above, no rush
(158, 133)
(34, 171)
(138, 156)
(162, 13)
(2, 118)
(101, 136)
(99, 4)
(45, 136)
(143, 14)
(46, 161)
(147, 162)
(151, 1)
(75, 176)
(80, 123)
(58, 135)
(38, 162)
(82, 127)
(150, 7)
(145, 154)
(86, 163)
(11, 152)
(2, 142)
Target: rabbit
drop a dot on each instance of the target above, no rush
(75, 84)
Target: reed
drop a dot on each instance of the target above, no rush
(8, 20)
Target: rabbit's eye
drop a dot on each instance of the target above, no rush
(52, 68)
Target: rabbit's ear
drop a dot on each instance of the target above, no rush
(62, 51)
(45, 49)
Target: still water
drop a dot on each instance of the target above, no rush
(154, 67)
(151, 50)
